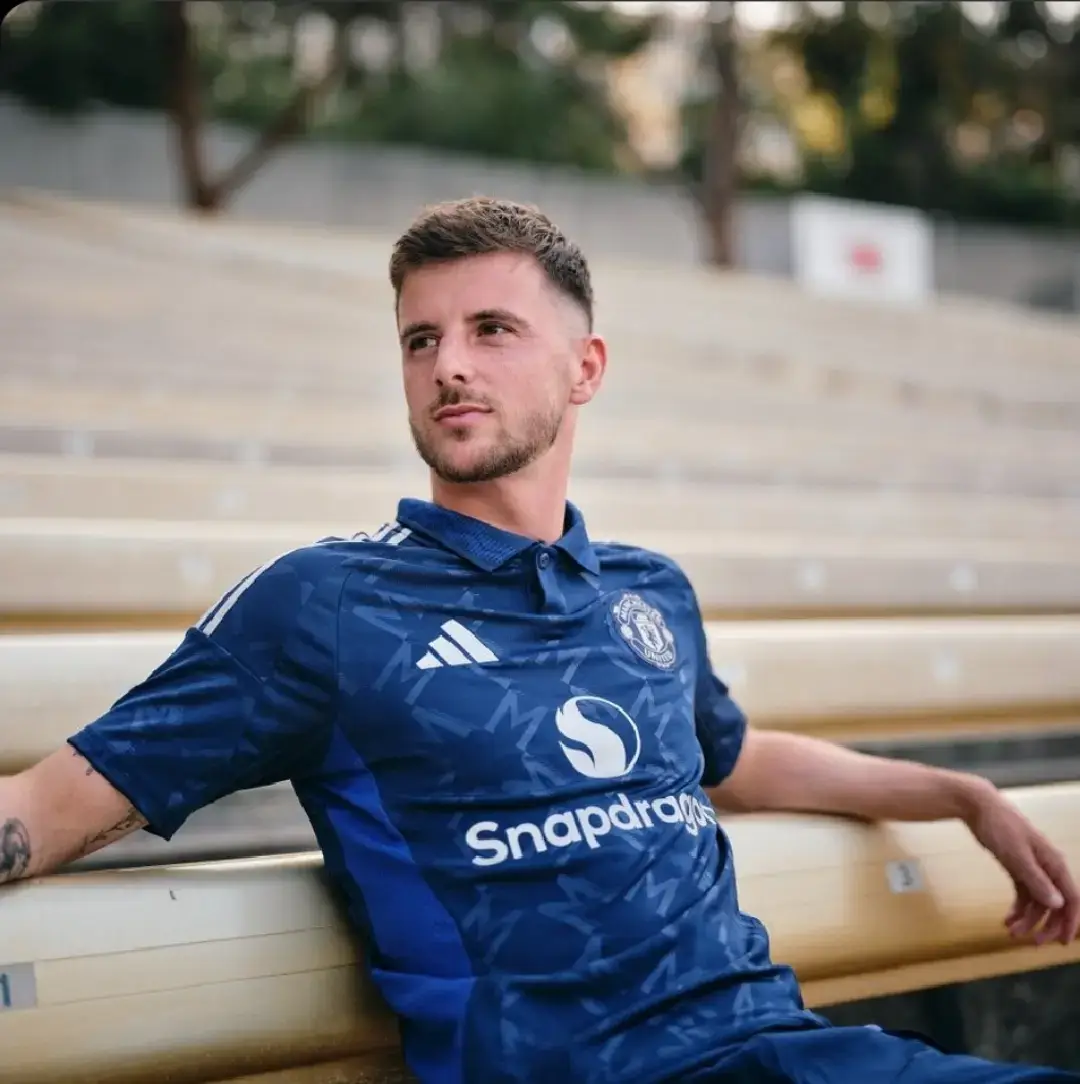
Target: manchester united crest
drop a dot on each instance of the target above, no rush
(643, 627)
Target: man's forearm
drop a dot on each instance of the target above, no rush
(57, 811)
(783, 771)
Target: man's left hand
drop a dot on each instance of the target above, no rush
(1047, 900)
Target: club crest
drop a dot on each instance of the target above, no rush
(643, 628)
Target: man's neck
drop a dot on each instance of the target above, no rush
(534, 507)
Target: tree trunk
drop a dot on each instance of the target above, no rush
(720, 175)
(185, 106)
(287, 125)
(185, 110)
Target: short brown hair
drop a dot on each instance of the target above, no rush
(480, 225)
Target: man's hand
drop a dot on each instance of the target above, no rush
(1046, 894)
(782, 771)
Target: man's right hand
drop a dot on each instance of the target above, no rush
(56, 812)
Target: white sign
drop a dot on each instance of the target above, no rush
(904, 875)
(842, 248)
(18, 987)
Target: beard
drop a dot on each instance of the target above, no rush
(509, 454)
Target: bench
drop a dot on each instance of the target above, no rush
(207, 971)
(1000, 696)
(43, 486)
(848, 680)
(144, 573)
(959, 421)
(255, 274)
(368, 427)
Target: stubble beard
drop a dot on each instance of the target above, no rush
(508, 456)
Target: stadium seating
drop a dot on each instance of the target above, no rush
(42, 486)
(200, 972)
(139, 261)
(340, 431)
(284, 346)
(967, 693)
(150, 573)
(844, 679)
(880, 514)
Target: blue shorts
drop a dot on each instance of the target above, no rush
(865, 1055)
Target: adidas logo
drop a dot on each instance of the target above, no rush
(458, 647)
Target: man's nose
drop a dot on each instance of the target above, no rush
(453, 363)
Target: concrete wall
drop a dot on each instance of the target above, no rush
(127, 157)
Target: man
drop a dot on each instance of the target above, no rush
(501, 732)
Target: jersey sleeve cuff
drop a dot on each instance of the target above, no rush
(94, 751)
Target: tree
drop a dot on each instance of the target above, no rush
(719, 185)
(510, 79)
(185, 108)
(65, 57)
(520, 79)
(933, 105)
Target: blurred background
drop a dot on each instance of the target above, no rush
(837, 255)
(710, 123)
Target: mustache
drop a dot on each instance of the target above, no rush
(456, 397)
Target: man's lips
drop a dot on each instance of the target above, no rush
(460, 411)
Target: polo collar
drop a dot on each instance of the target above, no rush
(490, 547)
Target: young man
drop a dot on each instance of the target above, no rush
(501, 732)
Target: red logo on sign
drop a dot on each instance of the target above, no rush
(866, 257)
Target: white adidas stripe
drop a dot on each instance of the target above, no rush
(448, 652)
(391, 534)
(458, 647)
(479, 651)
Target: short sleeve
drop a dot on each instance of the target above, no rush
(245, 700)
(719, 721)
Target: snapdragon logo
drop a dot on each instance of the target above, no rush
(602, 747)
(586, 824)
(601, 741)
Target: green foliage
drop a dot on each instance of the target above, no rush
(491, 89)
(74, 54)
(521, 79)
(478, 101)
(948, 73)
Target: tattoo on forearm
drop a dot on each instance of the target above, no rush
(14, 850)
(131, 820)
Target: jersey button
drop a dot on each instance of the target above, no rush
(544, 559)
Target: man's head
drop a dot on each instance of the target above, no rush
(494, 309)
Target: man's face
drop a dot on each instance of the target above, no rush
(492, 358)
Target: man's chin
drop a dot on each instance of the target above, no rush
(473, 461)
(474, 468)
(465, 472)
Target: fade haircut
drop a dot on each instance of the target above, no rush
(481, 225)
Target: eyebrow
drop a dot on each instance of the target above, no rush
(425, 327)
(415, 329)
(504, 316)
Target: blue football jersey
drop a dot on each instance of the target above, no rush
(501, 746)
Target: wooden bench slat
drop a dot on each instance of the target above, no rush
(858, 679)
(117, 570)
(610, 443)
(40, 486)
(821, 885)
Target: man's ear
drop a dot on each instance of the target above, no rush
(590, 370)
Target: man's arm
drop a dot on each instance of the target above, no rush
(244, 700)
(56, 812)
(778, 771)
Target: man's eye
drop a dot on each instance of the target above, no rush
(421, 342)
(492, 327)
